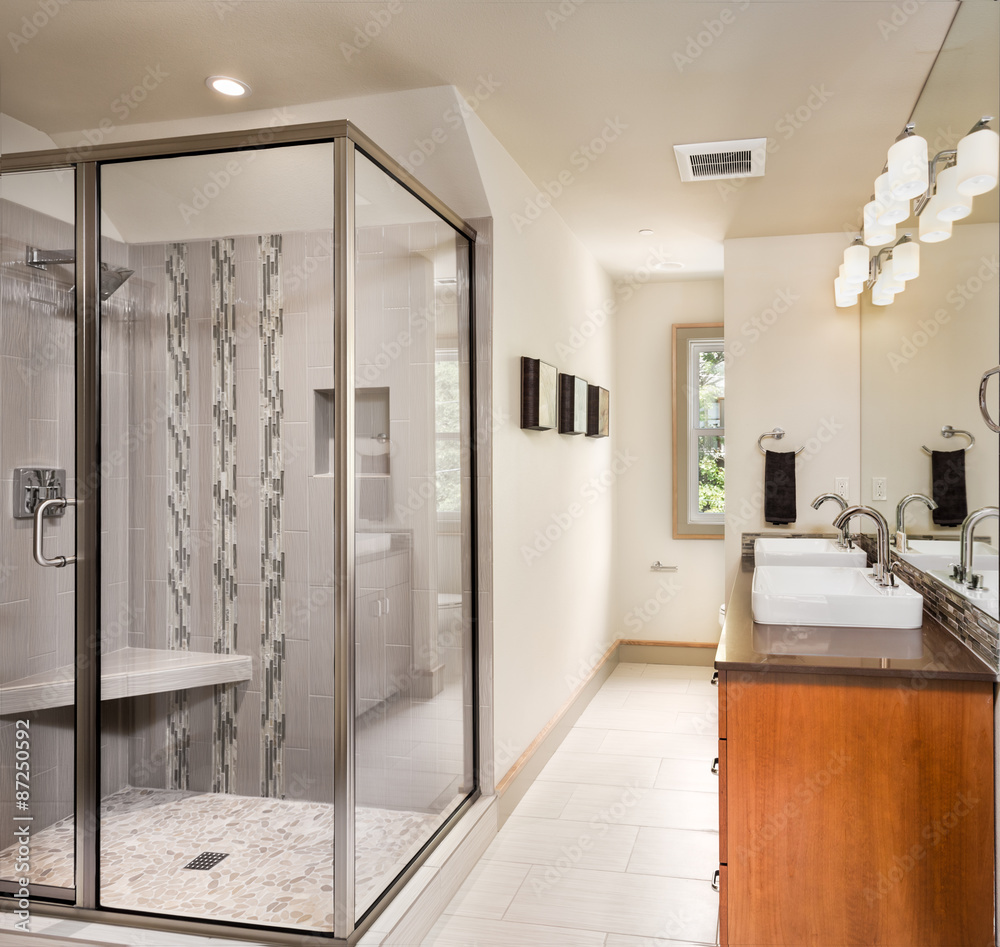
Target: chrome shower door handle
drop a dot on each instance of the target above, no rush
(990, 423)
(38, 534)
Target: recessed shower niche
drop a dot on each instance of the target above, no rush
(233, 482)
(371, 426)
(371, 432)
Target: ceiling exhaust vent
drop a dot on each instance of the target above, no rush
(714, 160)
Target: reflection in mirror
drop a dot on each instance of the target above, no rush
(923, 356)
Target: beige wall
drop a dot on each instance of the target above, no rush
(553, 594)
(921, 361)
(654, 605)
(791, 362)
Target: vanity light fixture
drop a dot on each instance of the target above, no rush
(228, 86)
(845, 294)
(877, 234)
(952, 203)
(856, 262)
(905, 259)
(889, 210)
(886, 272)
(907, 164)
(978, 159)
(850, 285)
(890, 281)
(964, 172)
(932, 228)
(881, 297)
(942, 188)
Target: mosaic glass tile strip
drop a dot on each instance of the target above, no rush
(224, 505)
(178, 378)
(272, 556)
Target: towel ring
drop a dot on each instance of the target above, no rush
(949, 431)
(777, 434)
(990, 423)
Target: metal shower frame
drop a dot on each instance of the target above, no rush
(346, 139)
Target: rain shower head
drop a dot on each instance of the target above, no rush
(112, 277)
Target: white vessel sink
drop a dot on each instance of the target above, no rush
(832, 595)
(904, 643)
(928, 554)
(805, 552)
(987, 598)
(371, 544)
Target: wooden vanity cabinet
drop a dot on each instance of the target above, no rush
(855, 810)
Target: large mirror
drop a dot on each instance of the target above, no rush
(923, 356)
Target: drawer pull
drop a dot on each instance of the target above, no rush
(715, 880)
(715, 766)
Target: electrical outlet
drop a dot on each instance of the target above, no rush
(878, 488)
(842, 487)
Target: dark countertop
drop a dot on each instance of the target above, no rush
(928, 652)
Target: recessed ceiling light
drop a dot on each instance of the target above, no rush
(228, 86)
(669, 265)
(646, 232)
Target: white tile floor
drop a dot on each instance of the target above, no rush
(616, 842)
(614, 845)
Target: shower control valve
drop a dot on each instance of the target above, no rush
(32, 485)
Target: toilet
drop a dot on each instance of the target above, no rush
(450, 638)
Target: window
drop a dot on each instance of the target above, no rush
(707, 465)
(447, 426)
(699, 432)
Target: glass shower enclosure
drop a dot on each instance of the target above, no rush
(236, 597)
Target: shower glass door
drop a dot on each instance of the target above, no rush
(218, 767)
(413, 545)
(37, 464)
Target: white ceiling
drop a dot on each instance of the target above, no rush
(546, 83)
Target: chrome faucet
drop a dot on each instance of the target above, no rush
(963, 571)
(900, 511)
(845, 539)
(882, 570)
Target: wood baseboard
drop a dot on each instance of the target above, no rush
(529, 764)
(515, 782)
(669, 644)
(688, 653)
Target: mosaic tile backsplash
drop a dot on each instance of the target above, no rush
(971, 625)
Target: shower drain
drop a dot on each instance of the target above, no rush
(207, 860)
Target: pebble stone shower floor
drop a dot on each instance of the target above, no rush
(279, 869)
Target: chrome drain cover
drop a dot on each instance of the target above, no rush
(206, 860)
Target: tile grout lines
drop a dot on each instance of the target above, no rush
(620, 871)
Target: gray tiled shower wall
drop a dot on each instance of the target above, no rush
(37, 426)
(37, 398)
(395, 285)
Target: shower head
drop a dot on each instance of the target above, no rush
(112, 278)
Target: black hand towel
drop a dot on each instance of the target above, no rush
(779, 487)
(948, 487)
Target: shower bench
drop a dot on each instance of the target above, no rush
(127, 673)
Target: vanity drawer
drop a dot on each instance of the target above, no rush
(723, 796)
(722, 704)
(723, 907)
